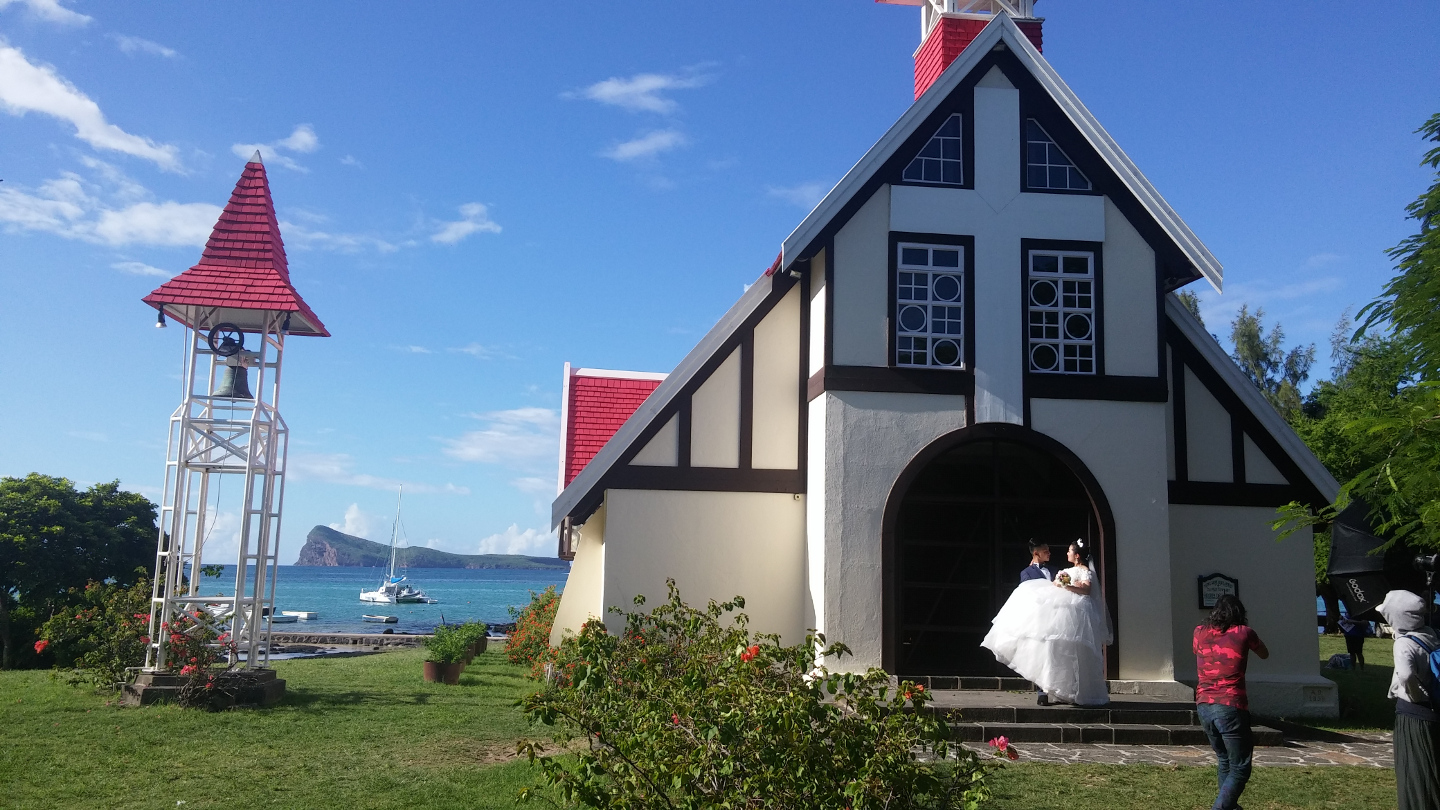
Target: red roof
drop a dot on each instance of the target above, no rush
(597, 404)
(243, 266)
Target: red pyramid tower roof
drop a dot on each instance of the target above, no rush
(243, 266)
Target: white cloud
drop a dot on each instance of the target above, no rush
(302, 140)
(74, 207)
(473, 219)
(534, 485)
(27, 87)
(640, 92)
(89, 435)
(523, 436)
(140, 269)
(414, 349)
(476, 351)
(358, 523)
(349, 160)
(50, 11)
(339, 468)
(297, 235)
(532, 542)
(805, 195)
(645, 146)
(129, 44)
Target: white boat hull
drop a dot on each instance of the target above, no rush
(302, 615)
(380, 619)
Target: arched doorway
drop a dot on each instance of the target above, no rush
(956, 532)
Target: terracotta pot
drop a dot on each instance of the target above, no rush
(480, 645)
(436, 672)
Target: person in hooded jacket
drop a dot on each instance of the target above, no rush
(1417, 726)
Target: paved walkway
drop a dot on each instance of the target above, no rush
(1367, 750)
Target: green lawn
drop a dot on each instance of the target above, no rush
(1363, 705)
(1153, 787)
(352, 732)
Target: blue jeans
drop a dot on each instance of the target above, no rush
(1229, 731)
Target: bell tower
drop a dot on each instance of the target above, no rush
(948, 26)
(227, 445)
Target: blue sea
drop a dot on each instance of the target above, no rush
(484, 595)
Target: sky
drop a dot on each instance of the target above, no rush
(472, 194)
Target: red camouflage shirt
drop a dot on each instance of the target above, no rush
(1220, 660)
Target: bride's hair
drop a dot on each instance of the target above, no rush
(1082, 547)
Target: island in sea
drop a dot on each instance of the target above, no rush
(326, 546)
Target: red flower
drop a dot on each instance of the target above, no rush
(675, 718)
(749, 654)
(144, 639)
(187, 669)
(41, 645)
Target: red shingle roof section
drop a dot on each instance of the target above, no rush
(243, 265)
(597, 408)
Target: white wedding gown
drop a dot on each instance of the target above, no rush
(1054, 638)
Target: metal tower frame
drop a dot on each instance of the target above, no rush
(214, 438)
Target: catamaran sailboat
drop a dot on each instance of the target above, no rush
(394, 589)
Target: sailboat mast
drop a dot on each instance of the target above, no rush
(395, 530)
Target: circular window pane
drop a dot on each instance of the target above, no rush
(912, 319)
(1044, 357)
(1077, 326)
(1043, 293)
(947, 288)
(946, 353)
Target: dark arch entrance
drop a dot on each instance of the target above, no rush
(955, 540)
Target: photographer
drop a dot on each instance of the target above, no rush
(1417, 726)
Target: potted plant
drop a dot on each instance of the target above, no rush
(475, 633)
(444, 656)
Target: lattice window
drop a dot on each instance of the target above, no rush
(941, 160)
(930, 306)
(1061, 300)
(1046, 167)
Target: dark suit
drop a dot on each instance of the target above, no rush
(1036, 571)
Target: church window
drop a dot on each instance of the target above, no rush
(929, 306)
(1046, 167)
(1061, 312)
(941, 160)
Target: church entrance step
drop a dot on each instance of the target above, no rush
(1178, 714)
(1113, 733)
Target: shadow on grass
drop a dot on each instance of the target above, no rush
(314, 700)
(1363, 701)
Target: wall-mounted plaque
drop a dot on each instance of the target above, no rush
(1214, 586)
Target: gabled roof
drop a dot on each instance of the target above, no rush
(1264, 412)
(596, 402)
(608, 455)
(1003, 30)
(243, 266)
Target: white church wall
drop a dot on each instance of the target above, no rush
(1170, 417)
(1207, 433)
(715, 417)
(715, 545)
(582, 598)
(775, 421)
(817, 502)
(861, 290)
(1258, 467)
(663, 449)
(869, 439)
(1128, 291)
(1277, 585)
(997, 139)
(817, 313)
(1121, 444)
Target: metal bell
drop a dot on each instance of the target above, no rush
(234, 383)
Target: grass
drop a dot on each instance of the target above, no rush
(1155, 787)
(1363, 704)
(351, 732)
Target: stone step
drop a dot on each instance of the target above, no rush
(1112, 733)
(1160, 714)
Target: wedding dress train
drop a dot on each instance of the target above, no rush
(1054, 638)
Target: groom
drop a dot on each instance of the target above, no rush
(1037, 569)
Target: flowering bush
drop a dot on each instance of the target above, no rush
(1002, 748)
(687, 709)
(100, 633)
(529, 644)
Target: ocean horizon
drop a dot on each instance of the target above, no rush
(464, 594)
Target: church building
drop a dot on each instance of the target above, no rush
(972, 341)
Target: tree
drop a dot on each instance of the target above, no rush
(1190, 301)
(1277, 373)
(1397, 446)
(54, 538)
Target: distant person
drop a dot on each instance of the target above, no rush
(1354, 632)
(1039, 567)
(1417, 727)
(1222, 648)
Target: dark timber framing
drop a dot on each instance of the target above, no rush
(1003, 432)
(967, 243)
(1238, 491)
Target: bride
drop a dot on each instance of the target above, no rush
(1052, 633)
